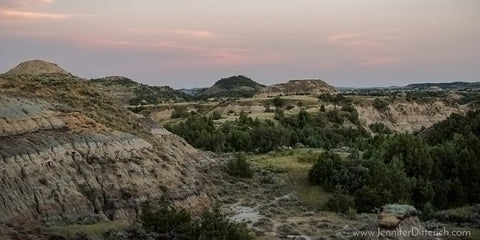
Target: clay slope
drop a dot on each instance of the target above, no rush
(298, 87)
(69, 153)
(408, 116)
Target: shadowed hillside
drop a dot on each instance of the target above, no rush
(236, 86)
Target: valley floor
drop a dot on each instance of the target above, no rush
(279, 203)
(276, 203)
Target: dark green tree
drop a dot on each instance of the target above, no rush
(239, 166)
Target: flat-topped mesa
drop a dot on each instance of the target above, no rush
(37, 67)
(294, 87)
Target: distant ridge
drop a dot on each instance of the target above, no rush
(128, 92)
(36, 67)
(445, 86)
(192, 91)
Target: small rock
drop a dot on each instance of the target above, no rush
(389, 222)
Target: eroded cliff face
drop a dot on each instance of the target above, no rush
(408, 116)
(58, 164)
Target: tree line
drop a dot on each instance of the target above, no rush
(322, 129)
(438, 167)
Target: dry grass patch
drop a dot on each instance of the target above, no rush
(93, 230)
(293, 166)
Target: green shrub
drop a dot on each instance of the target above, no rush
(428, 211)
(164, 218)
(351, 214)
(330, 170)
(323, 168)
(239, 166)
(335, 117)
(322, 108)
(380, 105)
(278, 102)
(213, 225)
(340, 202)
(216, 115)
(168, 222)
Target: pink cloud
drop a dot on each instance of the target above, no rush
(183, 32)
(24, 3)
(355, 40)
(367, 51)
(31, 15)
(28, 10)
(197, 34)
(188, 54)
(377, 61)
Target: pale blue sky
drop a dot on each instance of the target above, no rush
(192, 43)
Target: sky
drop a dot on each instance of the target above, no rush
(193, 43)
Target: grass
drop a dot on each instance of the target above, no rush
(459, 215)
(293, 165)
(475, 233)
(260, 116)
(461, 212)
(93, 230)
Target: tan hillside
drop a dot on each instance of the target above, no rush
(36, 67)
(404, 116)
(298, 87)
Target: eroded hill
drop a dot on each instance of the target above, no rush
(235, 86)
(69, 152)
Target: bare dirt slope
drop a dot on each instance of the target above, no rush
(408, 116)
